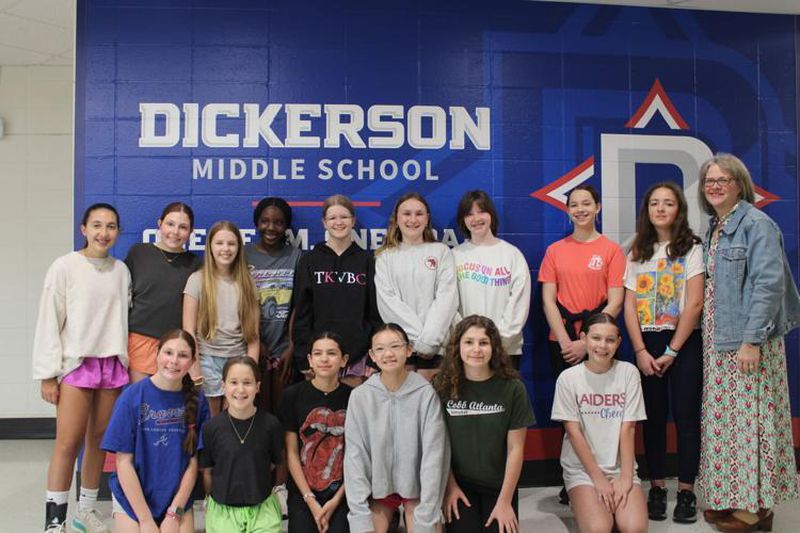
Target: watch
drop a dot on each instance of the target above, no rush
(670, 352)
(176, 510)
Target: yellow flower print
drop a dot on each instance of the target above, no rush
(643, 310)
(661, 264)
(644, 283)
(666, 279)
(677, 268)
(667, 291)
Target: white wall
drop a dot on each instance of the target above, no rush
(36, 199)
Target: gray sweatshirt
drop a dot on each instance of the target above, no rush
(395, 443)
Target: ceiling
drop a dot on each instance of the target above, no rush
(41, 32)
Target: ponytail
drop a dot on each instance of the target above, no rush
(190, 415)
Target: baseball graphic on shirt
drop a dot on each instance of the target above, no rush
(431, 262)
(322, 447)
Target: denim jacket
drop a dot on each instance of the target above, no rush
(755, 295)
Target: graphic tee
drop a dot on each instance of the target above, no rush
(242, 472)
(478, 423)
(600, 403)
(148, 423)
(660, 286)
(583, 272)
(318, 419)
(273, 274)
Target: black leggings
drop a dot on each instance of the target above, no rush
(682, 387)
(482, 501)
(302, 521)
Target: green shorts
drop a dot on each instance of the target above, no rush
(262, 518)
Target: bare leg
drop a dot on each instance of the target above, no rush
(353, 381)
(72, 416)
(93, 456)
(124, 523)
(276, 388)
(632, 518)
(590, 514)
(428, 373)
(135, 376)
(408, 516)
(381, 517)
(214, 405)
(187, 522)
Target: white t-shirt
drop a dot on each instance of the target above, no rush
(601, 403)
(228, 340)
(660, 286)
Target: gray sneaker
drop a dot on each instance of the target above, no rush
(88, 522)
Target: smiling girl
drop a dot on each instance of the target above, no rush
(241, 448)
(336, 271)
(599, 401)
(80, 356)
(272, 261)
(493, 277)
(313, 416)
(220, 307)
(158, 274)
(415, 281)
(663, 302)
(154, 433)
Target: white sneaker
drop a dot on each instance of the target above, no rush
(283, 495)
(56, 528)
(88, 522)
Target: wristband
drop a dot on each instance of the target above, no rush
(670, 352)
(175, 512)
(640, 350)
(308, 495)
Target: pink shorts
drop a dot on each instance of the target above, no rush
(98, 373)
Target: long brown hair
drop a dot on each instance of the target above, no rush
(188, 389)
(248, 300)
(393, 235)
(448, 382)
(682, 238)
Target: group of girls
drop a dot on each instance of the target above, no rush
(183, 326)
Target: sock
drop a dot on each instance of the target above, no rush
(57, 497)
(88, 499)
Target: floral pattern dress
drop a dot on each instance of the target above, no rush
(746, 454)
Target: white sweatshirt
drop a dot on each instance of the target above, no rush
(495, 281)
(416, 288)
(83, 312)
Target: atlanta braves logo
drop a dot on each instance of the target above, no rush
(431, 262)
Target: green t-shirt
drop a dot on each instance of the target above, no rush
(478, 424)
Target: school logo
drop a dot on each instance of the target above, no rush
(431, 262)
(595, 263)
(621, 152)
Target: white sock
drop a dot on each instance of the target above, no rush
(88, 499)
(56, 496)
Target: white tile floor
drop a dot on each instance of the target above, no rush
(23, 466)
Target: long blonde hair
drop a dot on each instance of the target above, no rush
(393, 235)
(248, 300)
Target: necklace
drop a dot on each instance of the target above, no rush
(164, 254)
(241, 439)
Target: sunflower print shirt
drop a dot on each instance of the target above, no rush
(660, 286)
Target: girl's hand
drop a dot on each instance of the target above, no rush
(575, 352)
(664, 362)
(50, 390)
(327, 512)
(452, 495)
(506, 519)
(170, 525)
(605, 494)
(148, 526)
(747, 358)
(316, 512)
(647, 364)
(622, 487)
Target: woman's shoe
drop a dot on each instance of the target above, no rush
(686, 509)
(712, 515)
(734, 524)
(657, 503)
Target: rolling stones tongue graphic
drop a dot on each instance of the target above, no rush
(322, 450)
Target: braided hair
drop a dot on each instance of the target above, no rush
(189, 391)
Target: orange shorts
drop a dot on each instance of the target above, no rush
(142, 351)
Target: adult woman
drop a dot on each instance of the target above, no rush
(663, 300)
(493, 277)
(415, 282)
(746, 461)
(272, 262)
(158, 275)
(336, 292)
(581, 275)
(80, 355)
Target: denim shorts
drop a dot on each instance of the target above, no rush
(211, 369)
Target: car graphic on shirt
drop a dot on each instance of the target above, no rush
(272, 297)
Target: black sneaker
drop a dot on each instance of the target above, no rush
(563, 496)
(657, 503)
(686, 508)
(55, 517)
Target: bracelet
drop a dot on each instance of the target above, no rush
(172, 514)
(308, 495)
(640, 350)
(670, 352)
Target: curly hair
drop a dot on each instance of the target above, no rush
(682, 237)
(448, 382)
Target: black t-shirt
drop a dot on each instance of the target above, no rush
(158, 279)
(241, 473)
(318, 419)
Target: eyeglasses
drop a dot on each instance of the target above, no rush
(723, 181)
(393, 348)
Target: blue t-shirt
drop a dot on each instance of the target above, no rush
(148, 422)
